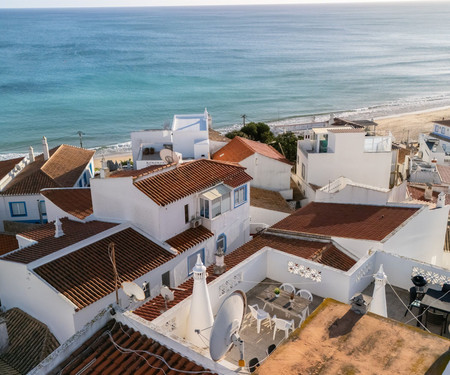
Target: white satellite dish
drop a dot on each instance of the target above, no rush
(133, 290)
(167, 295)
(226, 327)
(169, 156)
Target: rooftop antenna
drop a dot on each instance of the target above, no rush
(133, 290)
(169, 156)
(226, 327)
(112, 256)
(243, 119)
(80, 134)
(167, 295)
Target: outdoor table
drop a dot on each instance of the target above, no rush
(434, 299)
(283, 301)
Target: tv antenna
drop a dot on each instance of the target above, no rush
(169, 156)
(167, 295)
(133, 290)
(226, 327)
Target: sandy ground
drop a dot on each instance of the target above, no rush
(113, 157)
(411, 123)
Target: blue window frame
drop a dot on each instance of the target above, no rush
(192, 259)
(240, 196)
(91, 169)
(85, 177)
(222, 242)
(43, 208)
(443, 130)
(18, 209)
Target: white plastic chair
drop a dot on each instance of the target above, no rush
(259, 315)
(282, 325)
(287, 287)
(303, 316)
(305, 294)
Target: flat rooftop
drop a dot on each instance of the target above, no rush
(335, 340)
(190, 123)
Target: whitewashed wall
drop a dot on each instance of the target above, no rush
(353, 194)
(54, 212)
(265, 216)
(268, 173)
(31, 202)
(358, 247)
(154, 138)
(184, 141)
(422, 237)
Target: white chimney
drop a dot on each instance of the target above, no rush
(45, 148)
(4, 338)
(31, 154)
(200, 319)
(428, 192)
(441, 200)
(58, 228)
(378, 304)
(104, 171)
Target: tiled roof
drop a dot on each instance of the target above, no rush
(190, 178)
(8, 243)
(189, 238)
(98, 355)
(62, 169)
(240, 148)
(48, 244)
(76, 201)
(324, 253)
(270, 200)
(444, 173)
(140, 172)
(418, 194)
(7, 165)
(30, 341)
(86, 275)
(346, 220)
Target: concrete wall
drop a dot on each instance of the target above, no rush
(268, 173)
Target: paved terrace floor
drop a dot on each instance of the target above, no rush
(257, 344)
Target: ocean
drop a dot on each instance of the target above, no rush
(107, 72)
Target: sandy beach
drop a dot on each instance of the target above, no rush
(114, 157)
(412, 123)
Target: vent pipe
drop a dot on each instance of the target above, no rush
(31, 154)
(45, 148)
(441, 200)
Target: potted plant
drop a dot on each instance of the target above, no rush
(276, 291)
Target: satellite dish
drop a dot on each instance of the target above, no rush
(167, 295)
(226, 327)
(169, 156)
(133, 290)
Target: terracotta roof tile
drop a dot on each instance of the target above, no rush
(76, 201)
(240, 148)
(86, 275)
(62, 169)
(270, 200)
(418, 193)
(8, 243)
(30, 341)
(48, 244)
(189, 238)
(190, 178)
(330, 256)
(99, 355)
(7, 165)
(353, 130)
(346, 220)
(444, 173)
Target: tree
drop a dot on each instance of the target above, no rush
(286, 144)
(236, 133)
(258, 131)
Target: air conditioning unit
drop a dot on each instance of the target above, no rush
(195, 223)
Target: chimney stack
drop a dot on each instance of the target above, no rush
(428, 192)
(58, 228)
(378, 305)
(4, 338)
(441, 200)
(31, 154)
(45, 148)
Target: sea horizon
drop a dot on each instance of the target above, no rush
(109, 71)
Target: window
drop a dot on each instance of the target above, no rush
(303, 171)
(204, 208)
(221, 243)
(192, 259)
(443, 130)
(186, 213)
(215, 201)
(42, 208)
(165, 278)
(18, 208)
(240, 196)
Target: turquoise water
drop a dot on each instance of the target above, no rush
(107, 72)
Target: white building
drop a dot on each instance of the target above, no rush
(187, 137)
(269, 169)
(441, 131)
(331, 153)
(21, 180)
(431, 149)
(173, 199)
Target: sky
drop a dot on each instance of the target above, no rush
(128, 3)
